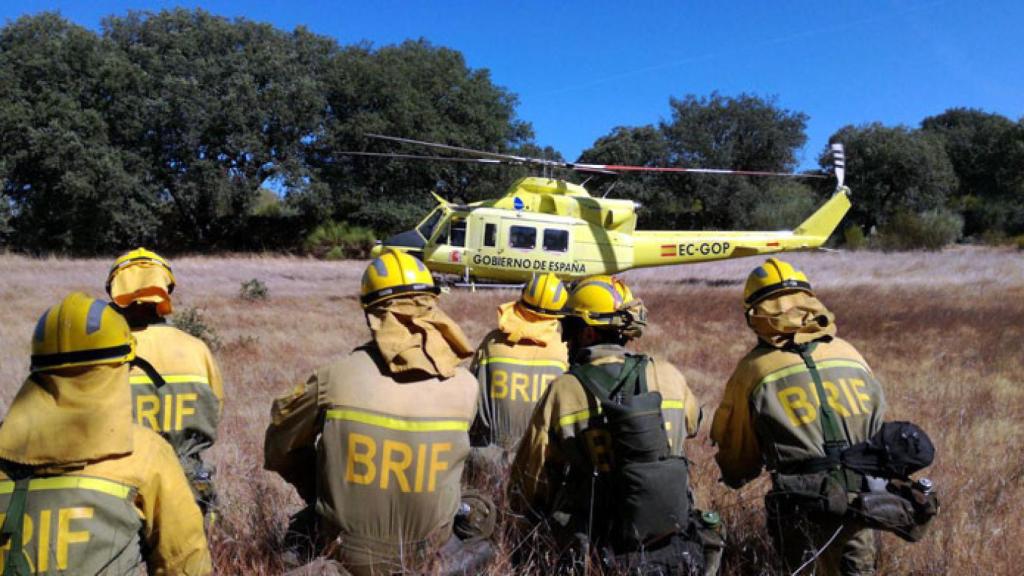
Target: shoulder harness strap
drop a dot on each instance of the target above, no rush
(150, 371)
(606, 387)
(16, 560)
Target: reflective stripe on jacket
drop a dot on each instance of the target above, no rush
(386, 469)
(512, 377)
(565, 430)
(110, 516)
(770, 410)
(187, 409)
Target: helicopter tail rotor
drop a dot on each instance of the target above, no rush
(839, 163)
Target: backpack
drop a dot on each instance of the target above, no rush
(650, 496)
(893, 453)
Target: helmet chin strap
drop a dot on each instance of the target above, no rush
(150, 371)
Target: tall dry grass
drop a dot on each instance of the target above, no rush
(942, 331)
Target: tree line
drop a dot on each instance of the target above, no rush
(187, 131)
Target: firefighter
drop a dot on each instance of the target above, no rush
(515, 363)
(602, 459)
(184, 402)
(375, 442)
(771, 416)
(83, 489)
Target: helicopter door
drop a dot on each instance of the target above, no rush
(451, 241)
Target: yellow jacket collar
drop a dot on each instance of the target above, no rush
(69, 416)
(796, 317)
(522, 325)
(413, 333)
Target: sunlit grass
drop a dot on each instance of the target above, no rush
(943, 331)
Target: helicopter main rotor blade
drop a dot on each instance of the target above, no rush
(461, 150)
(491, 161)
(672, 169)
(507, 160)
(580, 167)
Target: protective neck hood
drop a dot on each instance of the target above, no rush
(142, 282)
(796, 317)
(69, 417)
(414, 334)
(522, 325)
(600, 353)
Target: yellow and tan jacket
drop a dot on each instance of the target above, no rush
(125, 504)
(770, 410)
(380, 457)
(566, 432)
(513, 376)
(187, 409)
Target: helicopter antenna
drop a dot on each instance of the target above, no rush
(609, 190)
(839, 163)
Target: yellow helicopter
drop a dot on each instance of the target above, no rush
(545, 224)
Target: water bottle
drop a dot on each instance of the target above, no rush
(924, 485)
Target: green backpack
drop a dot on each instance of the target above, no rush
(649, 486)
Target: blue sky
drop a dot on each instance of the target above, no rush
(582, 68)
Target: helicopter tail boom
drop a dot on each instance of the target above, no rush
(658, 248)
(825, 220)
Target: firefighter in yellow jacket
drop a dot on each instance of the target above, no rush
(557, 474)
(184, 404)
(376, 441)
(515, 363)
(772, 416)
(84, 490)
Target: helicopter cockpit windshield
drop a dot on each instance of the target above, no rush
(429, 224)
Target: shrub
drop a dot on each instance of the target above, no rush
(782, 206)
(253, 290)
(191, 320)
(854, 239)
(337, 240)
(929, 230)
(1019, 240)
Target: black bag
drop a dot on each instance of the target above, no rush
(650, 487)
(897, 450)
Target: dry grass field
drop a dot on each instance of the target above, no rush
(943, 331)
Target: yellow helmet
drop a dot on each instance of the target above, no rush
(81, 331)
(772, 277)
(141, 276)
(395, 273)
(598, 300)
(545, 295)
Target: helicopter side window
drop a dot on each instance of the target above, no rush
(490, 235)
(556, 240)
(523, 237)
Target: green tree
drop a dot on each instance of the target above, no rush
(222, 107)
(661, 205)
(743, 132)
(1010, 180)
(66, 186)
(893, 171)
(414, 90)
(976, 144)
